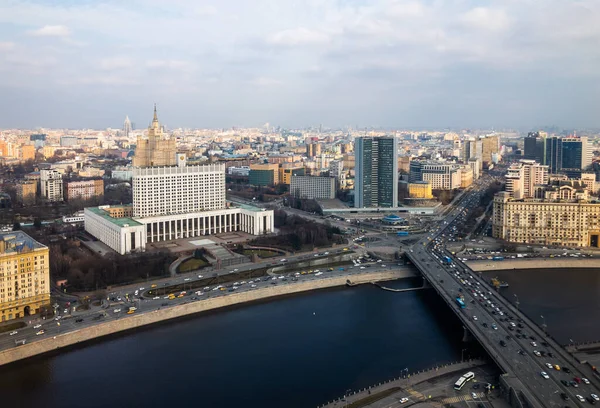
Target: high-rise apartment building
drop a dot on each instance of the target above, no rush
(522, 178)
(127, 126)
(156, 149)
(51, 185)
(376, 172)
(24, 275)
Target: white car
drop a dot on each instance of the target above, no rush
(537, 353)
(586, 381)
(40, 333)
(545, 375)
(12, 333)
(594, 396)
(549, 366)
(475, 318)
(117, 311)
(142, 289)
(534, 344)
(580, 398)
(156, 298)
(252, 286)
(200, 276)
(37, 326)
(186, 279)
(474, 395)
(403, 400)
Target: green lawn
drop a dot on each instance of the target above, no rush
(191, 264)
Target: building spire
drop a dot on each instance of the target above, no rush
(155, 115)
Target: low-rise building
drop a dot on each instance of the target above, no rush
(84, 190)
(570, 223)
(26, 192)
(263, 174)
(420, 189)
(24, 275)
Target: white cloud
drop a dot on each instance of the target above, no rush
(115, 63)
(6, 46)
(51, 31)
(266, 82)
(487, 18)
(179, 65)
(298, 36)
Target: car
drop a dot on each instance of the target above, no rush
(564, 396)
(549, 366)
(494, 326)
(580, 398)
(403, 400)
(502, 343)
(591, 400)
(285, 260)
(117, 311)
(484, 324)
(475, 318)
(585, 380)
(545, 375)
(37, 326)
(565, 383)
(595, 397)
(78, 320)
(200, 276)
(567, 370)
(573, 384)
(186, 279)
(474, 395)
(156, 298)
(537, 353)
(40, 332)
(556, 367)
(12, 333)
(577, 380)
(476, 386)
(534, 344)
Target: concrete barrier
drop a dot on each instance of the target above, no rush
(143, 319)
(532, 263)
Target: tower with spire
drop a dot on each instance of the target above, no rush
(127, 126)
(155, 150)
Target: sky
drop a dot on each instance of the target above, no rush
(298, 63)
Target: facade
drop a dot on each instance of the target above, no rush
(156, 150)
(24, 275)
(26, 192)
(288, 170)
(243, 171)
(466, 176)
(336, 168)
(263, 174)
(376, 172)
(27, 152)
(313, 149)
(490, 145)
(570, 223)
(122, 173)
(178, 190)
(68, 141)
(475, 165)
(312, 187)
(84, 190)
(569, 155)
(420, 189)
(127, 126)
(441, 176)
(51, 185)
(522, 178)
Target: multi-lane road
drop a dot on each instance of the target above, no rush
(518, 345)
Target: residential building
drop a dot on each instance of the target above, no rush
(475, 165)
(27, 152)
(51, 185)
(156, 149)
(26, 192)
(336, 168)
(265, 174)
(24, 275)
(311, 187)
(84, 190)
(466, 176)
(489, 146)
(522, 177)
(420, 189)
(313, 149)
(569, 223)
(376, 172)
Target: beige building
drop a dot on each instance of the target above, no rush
(84, 190)
(26, 192)
(287, 170)
(24, 275)
(155, 150)
(570, 223)
(522, 178)
(489, 146)
(51, 185)
(420, 189)
(466, 176)
(313, 149)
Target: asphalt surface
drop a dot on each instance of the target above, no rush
(454, 278)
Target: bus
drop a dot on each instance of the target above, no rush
(447, 260)
(460, 302)
(463, 380)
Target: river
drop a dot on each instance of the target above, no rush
(297, 351)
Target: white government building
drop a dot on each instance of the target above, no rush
(174, 202)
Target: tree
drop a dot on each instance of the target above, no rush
(16, 226)
(37, 223)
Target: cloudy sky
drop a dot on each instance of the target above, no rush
(294, 63)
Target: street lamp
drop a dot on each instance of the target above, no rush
(462, 353)
(517, 301)
(544, 327)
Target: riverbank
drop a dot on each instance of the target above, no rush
(77, 337)
(532, 263)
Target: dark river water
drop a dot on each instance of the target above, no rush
(298, 351)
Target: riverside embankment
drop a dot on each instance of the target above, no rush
(76, 337)
(533, 263)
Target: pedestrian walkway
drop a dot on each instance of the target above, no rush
(460, 398)
(415, 394)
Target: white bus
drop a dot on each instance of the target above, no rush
(463, 380)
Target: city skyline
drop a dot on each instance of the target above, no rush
(392, 64)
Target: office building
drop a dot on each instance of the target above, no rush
(156, 149)
(127, 127)
(287, 170)
(51, 185)
(420, 189)
(68, 141)
(490, 145)
(569, 155)
(84, 190)
(557, 222)
(466, 176)
(265, 174)
(376, 172)
(311, 187)
(441, 175)
(574, 156)
(24, 275)
(26, 192)
(178, 190)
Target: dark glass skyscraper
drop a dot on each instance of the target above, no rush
(376, 172)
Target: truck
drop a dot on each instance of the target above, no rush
(402, 233)
(460, 302)
(447, 259)
(498, 258)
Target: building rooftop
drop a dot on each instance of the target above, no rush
(250, 208)
(17, 242)
(121, 222)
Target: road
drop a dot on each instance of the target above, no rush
(125, 297)
(492, 320)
